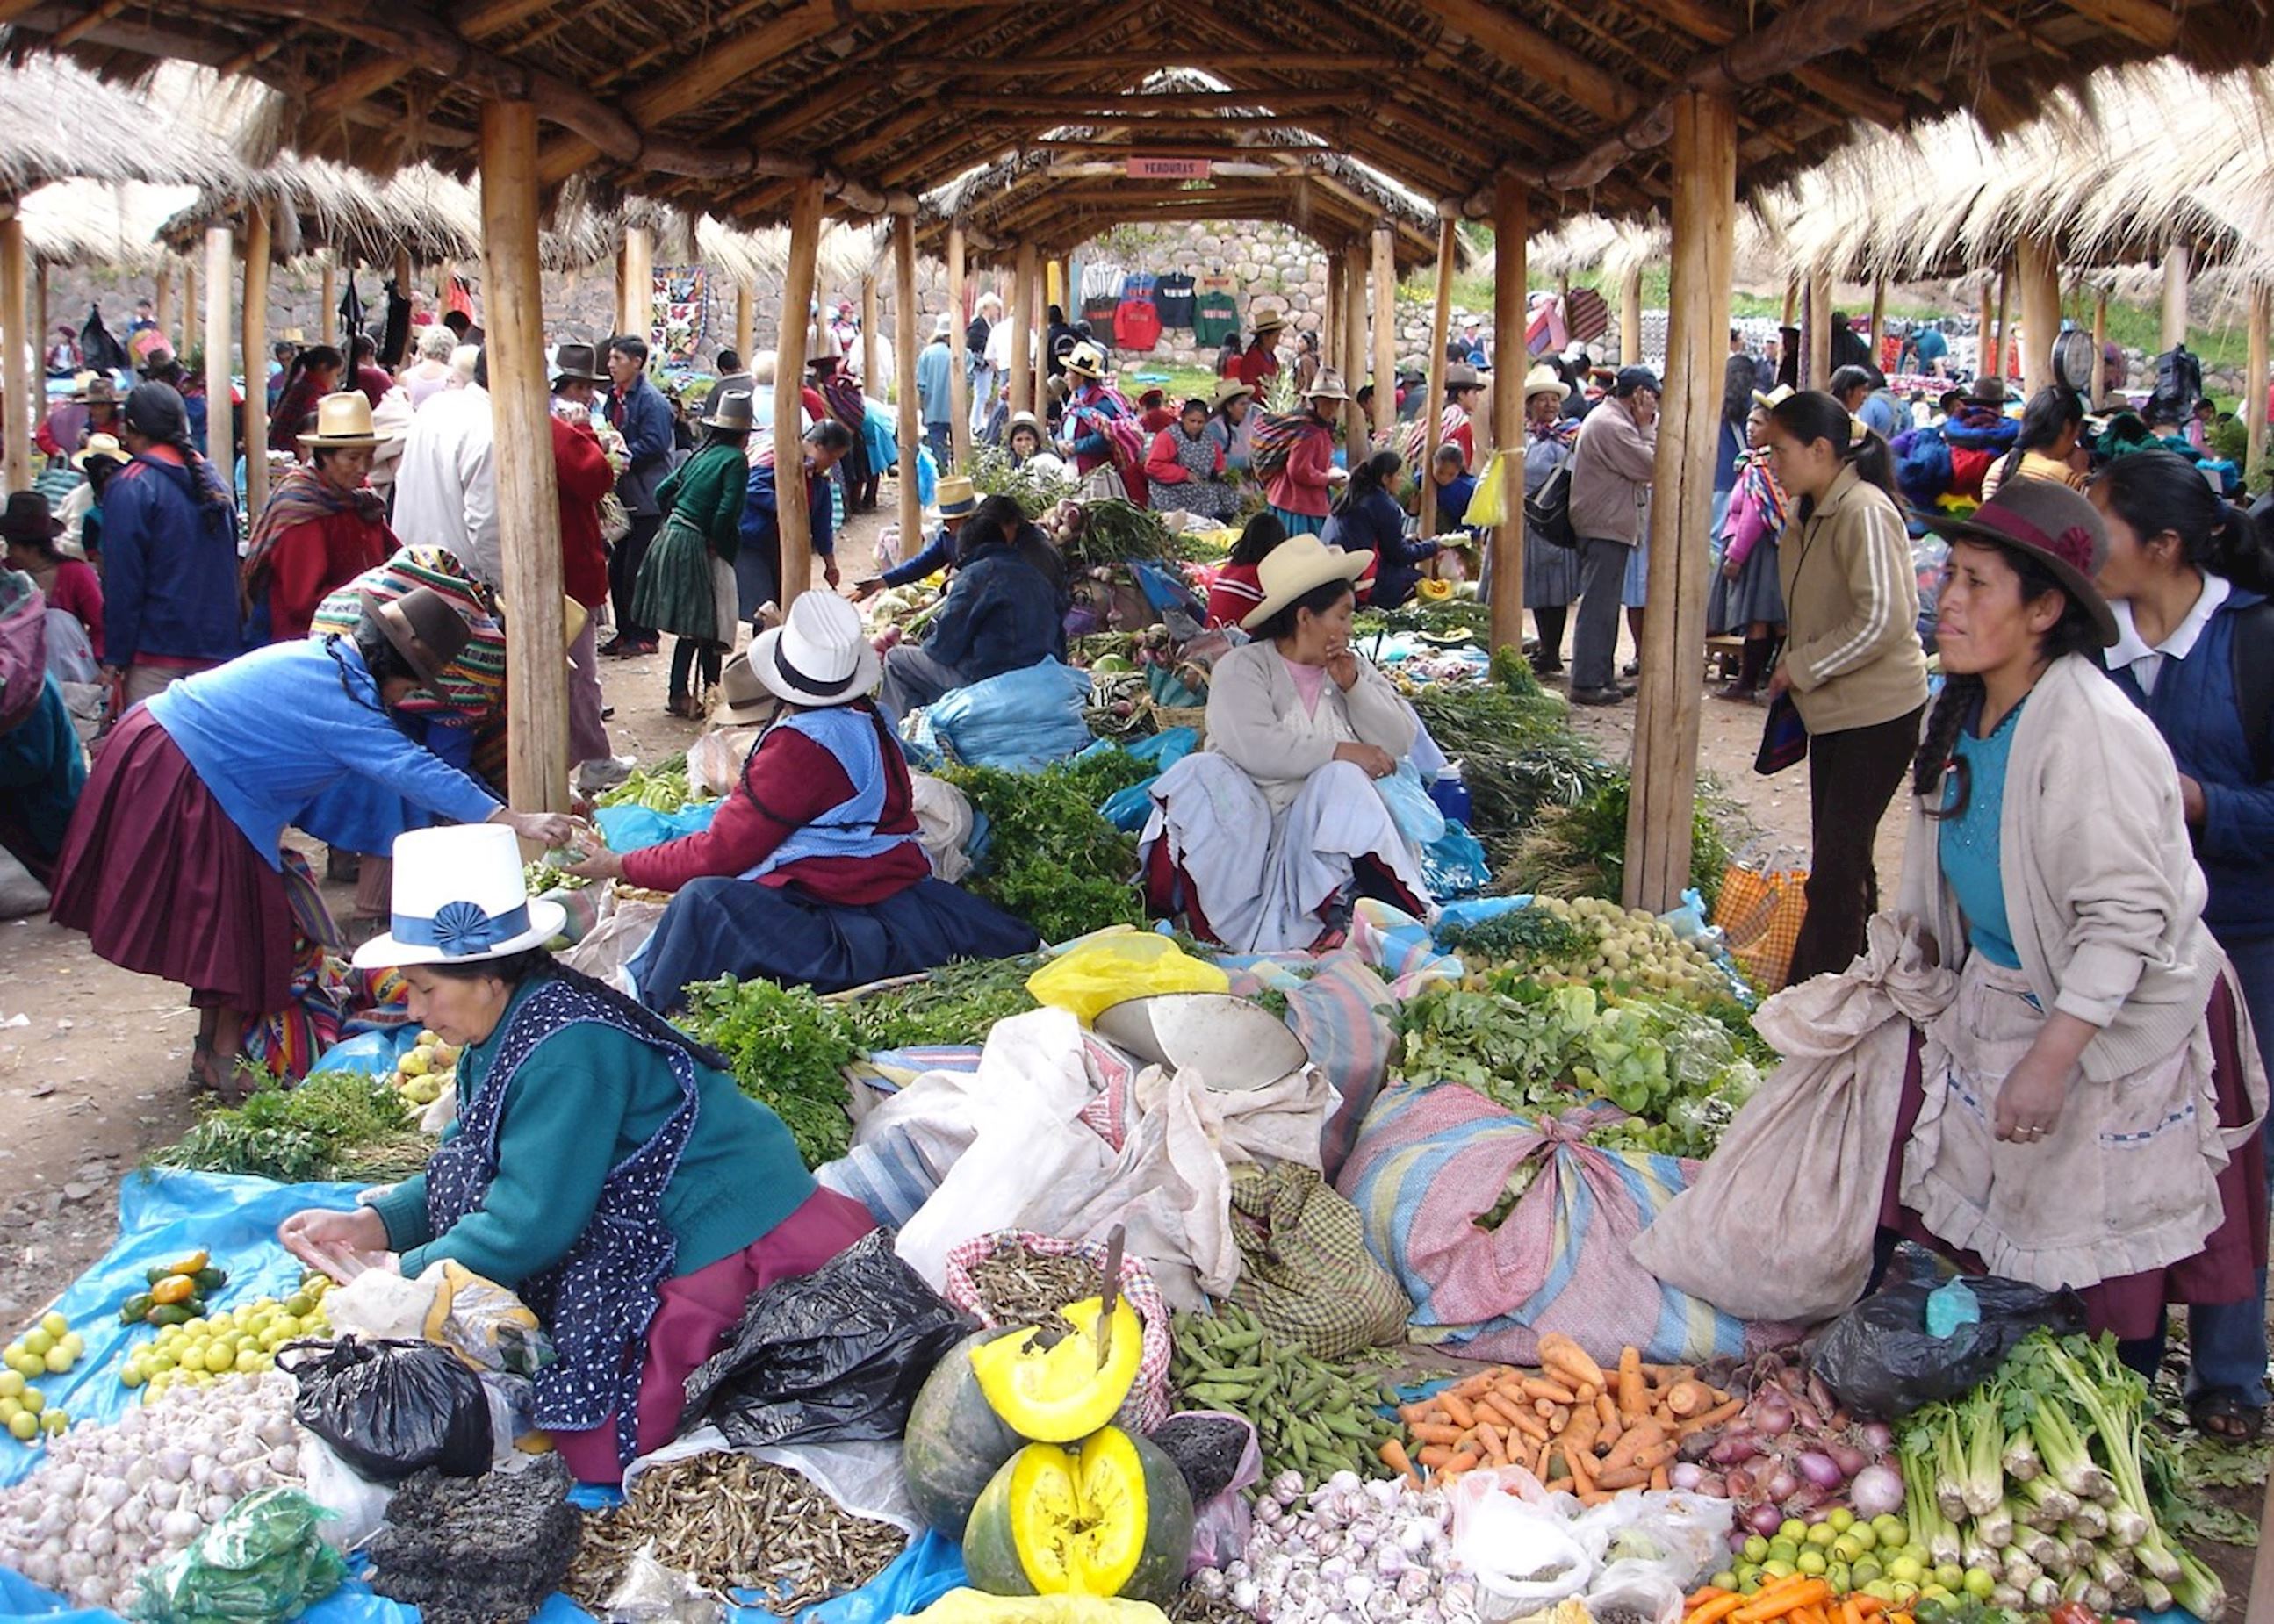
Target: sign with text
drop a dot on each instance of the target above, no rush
(1168, 168)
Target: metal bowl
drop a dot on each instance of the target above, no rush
(1235, 1045)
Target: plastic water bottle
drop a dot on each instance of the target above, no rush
(1450, 795)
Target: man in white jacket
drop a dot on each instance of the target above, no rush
(1611, 466)
(446, 488)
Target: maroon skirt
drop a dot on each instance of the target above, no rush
(165, 885)
(2132, 1305)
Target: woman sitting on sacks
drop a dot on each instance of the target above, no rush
(2084, 1113)
(602, 1165)
(1264, 839)
(810, 873)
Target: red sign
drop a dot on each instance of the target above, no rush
(1168, 168)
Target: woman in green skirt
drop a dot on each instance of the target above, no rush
(687, 581)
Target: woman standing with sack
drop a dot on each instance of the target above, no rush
(1853, 664)
(687, 581)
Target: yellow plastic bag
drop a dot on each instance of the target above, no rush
(1114, 967)
(977, 1607)
(1488, 502)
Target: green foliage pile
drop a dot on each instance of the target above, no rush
(333, 1125)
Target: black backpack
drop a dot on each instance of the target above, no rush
(1547, 511)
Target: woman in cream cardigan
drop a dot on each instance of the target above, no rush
(2083, 1112)
(1263, 840)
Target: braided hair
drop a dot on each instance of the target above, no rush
(1367, 478)
(156, 412)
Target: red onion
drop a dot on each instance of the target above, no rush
(1686, 1474)
(1878, 1436)
(1772, 1417)
(1713, 1483)
(1851, 1460)
(1781, 1482)
(1765, 1519)
(1740, 1482)
(1877, 1490)
(1819, 1469)
(1730, 1451)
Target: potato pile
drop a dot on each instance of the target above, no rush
(1633, 947)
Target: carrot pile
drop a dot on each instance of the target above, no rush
(1574, 1425)
(1799, 1599)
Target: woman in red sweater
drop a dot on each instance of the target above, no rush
(323, 525)
(810, 872)
(1298, 489)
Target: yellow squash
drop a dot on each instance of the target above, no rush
(1057, 1393)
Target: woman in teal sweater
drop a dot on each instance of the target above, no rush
(687, 581)
(602, 1164)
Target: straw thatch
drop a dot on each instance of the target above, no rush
(104, 223)
(60, 123)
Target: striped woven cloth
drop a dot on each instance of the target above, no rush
(473, 684)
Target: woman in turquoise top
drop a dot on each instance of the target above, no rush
(1973, 795)
(602, 1165)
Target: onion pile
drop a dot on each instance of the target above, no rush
(1792, 1452)
(1354, 1552)
(108, 1500)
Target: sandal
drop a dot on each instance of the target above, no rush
(2224, 1413)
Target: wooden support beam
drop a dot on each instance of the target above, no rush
(16, 375)
(1791, 301)
(1511, 227)
(256, 353)
(162, 301)
(329, 294)
(746, 320)
(789, 374)
(1038, 401)
(2038, 264)
(2099, 348)
(528, 498)
(1022, 328)
(1540, 56)
(1817, 374)
(1331, 327)
(1433, 411)
(2254, 384)
(959, 381)
(1630, 317)
(869, 379)
(1358, 430)
(1385, 333)
(403, 273)
(38, 324)
(1660, 821)
(2004, 350)
(72, 33)
(220, 441)
(904, 376)
(181, 339)
(1879, 315)
(1141, 63)
(2175, 295)
(635, 284)
(1985, 364)
(2153, 26)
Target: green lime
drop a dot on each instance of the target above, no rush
(1725, 1580)
(24, 1425)
(1793, 1528)
(1757, 1548)
(36, 1342)
(1949, 1576)
(1811, 1563)
(54, 1324)
(1823, 1534)
(1842, 1520)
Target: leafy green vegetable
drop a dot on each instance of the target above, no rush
(1517, 753)
(955, 1003)
(992, 475)
(1526, 936)
(788, 1051)
(1113, 532)
(1581, 849)
(335, 1125)
(662, 788)
(1050, 859)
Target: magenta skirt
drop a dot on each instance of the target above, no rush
(2132, 1305)
(163, 883)
(695, 1312)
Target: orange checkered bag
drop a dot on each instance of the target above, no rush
(1764, 899)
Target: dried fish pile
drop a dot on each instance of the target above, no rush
(1194, 1607)
(1018, 1287)
(735, 1524)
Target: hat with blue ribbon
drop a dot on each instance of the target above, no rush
(459, 898)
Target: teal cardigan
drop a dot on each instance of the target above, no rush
(585, 1099)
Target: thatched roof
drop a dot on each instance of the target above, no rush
(105, 223)
(59, 123)
(716, 105)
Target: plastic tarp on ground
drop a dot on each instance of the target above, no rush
(165, 1214)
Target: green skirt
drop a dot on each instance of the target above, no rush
(678, 587)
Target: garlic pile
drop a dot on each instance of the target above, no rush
(108, 1500)
(1358, 1553)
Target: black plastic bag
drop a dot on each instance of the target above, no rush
(390, 1409)
(838, 1353)
(99, 352)
(1879, 1359)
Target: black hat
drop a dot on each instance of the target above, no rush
(423, 627)
(579, 363)
(1629, 378)
(27, 517)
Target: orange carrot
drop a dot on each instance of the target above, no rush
(1868, 1604)
(1556, 1390)
(1459, 1463)
(1458, 1409)
(1495, 1442)
(1636, 1437)
(1711, 1417)
(1716, 1607)
(1785, 1599)
(1600, 1497)
(1622, 1478)
(1423, 1410)
(1850, 1613)
(1810, 1616)
(1558, 1348)
(1469, 1385)
(1435, 1454)
(1581, 1468)
(1557, 1486)
(1437, 1432)
(1703, 1594)
(1687, 1398)
(1634, 1397)
(1394, 1456)
(1661, 1479)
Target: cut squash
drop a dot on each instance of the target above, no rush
(1111, 1517)
(1055, 1394)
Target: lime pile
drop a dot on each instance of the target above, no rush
(1634, 948)
(243, 1341)
(48, 1348)
(1875, 1558)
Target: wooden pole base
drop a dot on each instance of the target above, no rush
(16, 375)
(1511, 225)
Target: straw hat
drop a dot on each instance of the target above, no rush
(460, 898)
(1545, 380)
(423, 628)
(1270, 322)
(819, 656)
(1086, 360)
(1327, 385)
(343, 421)
(956, 497)
(94, 389)
(2052, 524)
(100, 449)
(1293, 567)
(729, 408)
(1022, 420)
(1775, 398)
(1230, 390)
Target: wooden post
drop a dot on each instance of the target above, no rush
(869, 380)
(256, 360)
(189, 329)
(1879, 315)
(638, 317)
(1063, 295)
(1330, 326)
(1819, 374)
(528, 497)
(16, 375)
(1038, 336)
(795, 524)
(39, 323)
(958, 383)
(162, 301)
(746, 321)
(904, 379)
(2254, 384)
(2175, 295)
(1385, 331)
(1022, 328)
(2005, 295)
(1791, 301)
(330, 327)
(1511, 226)
(219, 442)
(2039, 265)
(446, 271)
(2099, 348)
(404, 272)
(1433, 413)
(1631, 318)
(1704, 175)
(1986, 364)
(1358, 429)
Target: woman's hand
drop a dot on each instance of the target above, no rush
(2036, 1091)
(1342, 665)
(865, 590)
(549, 828)
(2192, 802)
(343, 1244)
(1729, 568)
(601, 865)
(1371, 759)
(1779, 680)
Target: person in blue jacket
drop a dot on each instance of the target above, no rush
(169, 555)
(1002, 613)
(636, 409)
(2188, 577)
(758, 564)
(1367, 519)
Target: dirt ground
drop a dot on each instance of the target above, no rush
(92, 1057)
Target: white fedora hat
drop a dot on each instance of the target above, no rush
(819, 656)
(460, 899)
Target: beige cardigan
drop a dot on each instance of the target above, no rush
(1851, 602)
(2101, 890)
(1256, 721)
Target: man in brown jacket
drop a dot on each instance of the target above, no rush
(1611, 466)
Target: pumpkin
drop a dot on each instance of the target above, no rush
(1056, 1393)
(954, 1441)
(1109, 1516)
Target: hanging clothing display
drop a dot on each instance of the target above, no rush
(1136, 320)
(1216, 313)
(1101, 294)
(1174, 299)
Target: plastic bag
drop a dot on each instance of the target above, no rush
(357, 1505)
(837, 1354)
(1127, 809)
(391, 1408)
(1879, 1359)
(1763, 903)
(1668, 1535)
(1634, 1593)
(263, 1561)
(1488, 502)
(634, 828)
(1419, 817)
(483, 1323)
(1108, 968)
(1517, 1541)
(1020, 721)
(1455, 864)
(930, 1568)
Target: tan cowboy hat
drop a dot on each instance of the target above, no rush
(1545, 380)
(423, 628)
(1087, 360)
(100, 449)
(1293, 567)
(94, 389)
(956, 497)
(342, 422)
(744, 699)
(1327, 385)
(1270, 321)
(1228, 392)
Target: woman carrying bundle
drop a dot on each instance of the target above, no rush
(1551, 573)
(1746, 597)
(323, 526)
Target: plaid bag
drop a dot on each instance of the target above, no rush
(1304, 1269)
(1148, 1403)
(1764, 899)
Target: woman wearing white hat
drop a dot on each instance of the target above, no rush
(1100, 431)
(810, 873)
(323, 526)
(1551, 573)
(603, 1165)
(1264, 839)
